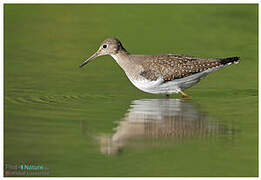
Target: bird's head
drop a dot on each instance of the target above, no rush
(109, 46)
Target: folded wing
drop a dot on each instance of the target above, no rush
(175, 66)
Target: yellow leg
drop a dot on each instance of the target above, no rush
(184, 94)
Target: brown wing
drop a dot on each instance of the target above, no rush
(174, 66)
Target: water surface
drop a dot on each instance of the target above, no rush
(94, 122)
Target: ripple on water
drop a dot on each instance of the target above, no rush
(55, 99)
(42, 99)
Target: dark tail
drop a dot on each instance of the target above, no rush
(230, 60)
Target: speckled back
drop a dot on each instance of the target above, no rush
(174, 66)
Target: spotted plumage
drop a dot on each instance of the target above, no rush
(175, 66)
(161, 74)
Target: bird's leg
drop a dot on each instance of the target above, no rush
(184, 94)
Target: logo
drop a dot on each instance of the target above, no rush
(26, 168)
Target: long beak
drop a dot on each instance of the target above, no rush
(95, 55)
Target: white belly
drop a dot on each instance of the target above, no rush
(170, 87)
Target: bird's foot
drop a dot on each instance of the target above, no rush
(184, 95)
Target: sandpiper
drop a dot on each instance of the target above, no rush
(161, 74)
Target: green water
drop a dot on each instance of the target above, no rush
(94, 122)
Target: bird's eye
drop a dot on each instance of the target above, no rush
(104, 46)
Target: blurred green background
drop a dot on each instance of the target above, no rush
(47, 96)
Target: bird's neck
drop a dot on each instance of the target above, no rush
(122, 58)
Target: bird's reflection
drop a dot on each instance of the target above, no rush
(159, 119)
